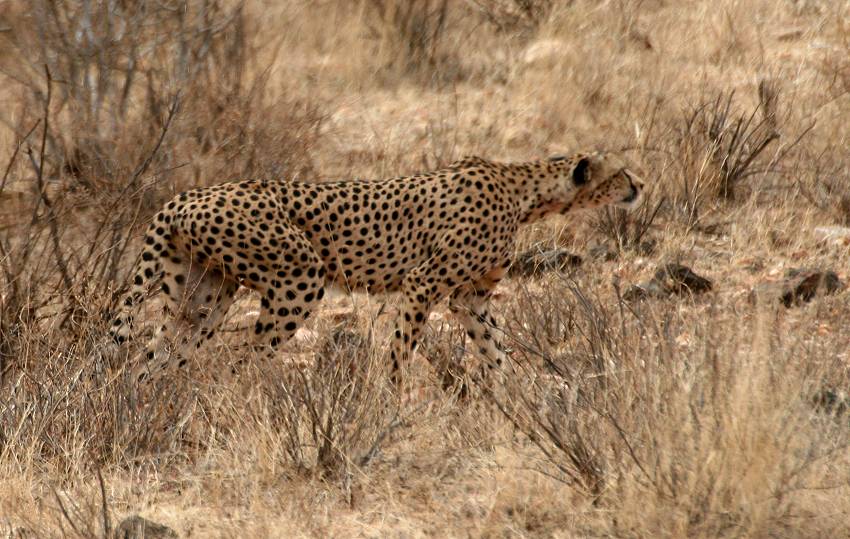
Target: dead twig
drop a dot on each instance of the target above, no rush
(43, 198)
(15, 155)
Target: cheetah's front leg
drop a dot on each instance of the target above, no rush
(470, 305)
(472, 310)
(423, 287)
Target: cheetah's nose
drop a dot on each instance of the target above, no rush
(634, 179)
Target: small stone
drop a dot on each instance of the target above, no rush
(799, 286)
(833, 235)
(544, 50)
(342, 344)
(136, 527)
(804, 285)
(343, 338)
(679, 279)
(832, 232)
(831, 401)
(670, 279)
(643, 291)
(537, 262)
(646, 247)
(603, 252)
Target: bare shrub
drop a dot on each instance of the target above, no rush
(61, 411)
(121, 105)
(828, 185)
(654, 415)
(628, 230)
(120, 67)
(334, 411)
(734, 144)
(822, 168)
(716, 150)
(413, 32)
(515, 15)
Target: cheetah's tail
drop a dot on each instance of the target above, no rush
(146, 275)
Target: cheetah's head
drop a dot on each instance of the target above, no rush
(598, 179)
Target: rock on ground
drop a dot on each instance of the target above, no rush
(537, 262)
(136, 527)
(669, 280)
(799, 286)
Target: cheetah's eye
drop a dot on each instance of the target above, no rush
(581, 172)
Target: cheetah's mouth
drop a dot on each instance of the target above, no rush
(632, 196)
(631, 200)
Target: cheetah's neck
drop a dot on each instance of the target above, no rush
(536, 188)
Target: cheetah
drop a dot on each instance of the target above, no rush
(444, 234)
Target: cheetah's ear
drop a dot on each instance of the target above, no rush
(581, 172)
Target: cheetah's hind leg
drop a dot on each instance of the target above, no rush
(196, 299)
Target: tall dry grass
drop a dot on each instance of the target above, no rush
(685, 417)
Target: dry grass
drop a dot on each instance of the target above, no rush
(698, 417)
